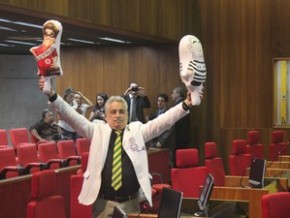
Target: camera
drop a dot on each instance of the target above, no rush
(134, 89)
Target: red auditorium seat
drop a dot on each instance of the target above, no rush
(34, 139)
(239, 161)
(46, 202)
(277, 146)
(82, 145)
(48, 154)
(28, 158)
(188, 176)
(78, 210)
(214, 163)
(254, 147)
(67, 151)
(19, 136)
(3, 138)
(8, 164)
(276, 205)
(84, 163)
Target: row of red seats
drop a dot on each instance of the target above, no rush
(17, 136)
(277, 146)
(44, 195)
(20, 136)
(243, 151)
(30, 158)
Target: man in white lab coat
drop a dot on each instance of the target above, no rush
(136, 187)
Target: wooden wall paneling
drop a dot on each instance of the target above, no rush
(279, 17)
(111, 69)
(47, 6)
(164, 18)
(240, 38)
(232, 39)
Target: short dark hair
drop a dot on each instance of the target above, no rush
(103, 95)
(180, 90)
(45, 111)
(67, 92)
(164, 96)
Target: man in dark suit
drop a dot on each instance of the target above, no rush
(137, 100)
(163, 140)
(181, 127)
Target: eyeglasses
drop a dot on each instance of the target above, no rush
(50, 35)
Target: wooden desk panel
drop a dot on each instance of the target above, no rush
(189, 206)
(284, 158)
(278, 164)
(253, 196)
(273, 164)
(281, 183)
(277, 172)
(142, 215)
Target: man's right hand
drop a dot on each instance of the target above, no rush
(41, 86)
(128, 91)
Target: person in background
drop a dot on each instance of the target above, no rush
(117, 145)
(82, 103)
(181, 129)
(137, 100)
(68, 131)
(46, 129)
(166, 139)
(163, 140)
(99, 109)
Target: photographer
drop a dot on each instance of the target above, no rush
(137, 100)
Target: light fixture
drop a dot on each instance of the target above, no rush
(4, 45)
(27, 24)
(5, 20)
(7, 29)
(81, 41)
(20, 42)
(114, 40)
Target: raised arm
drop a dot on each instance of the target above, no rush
(165, 121)
(82, 126)
(87, 101)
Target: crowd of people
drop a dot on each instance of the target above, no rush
(117, 170)
(53, 127)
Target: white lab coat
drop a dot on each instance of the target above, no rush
(134, 138)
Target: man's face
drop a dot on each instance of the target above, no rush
(117, 115)
(161, 103)
(48, 117)
(174, 95)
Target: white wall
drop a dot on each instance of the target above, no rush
(21, 102)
